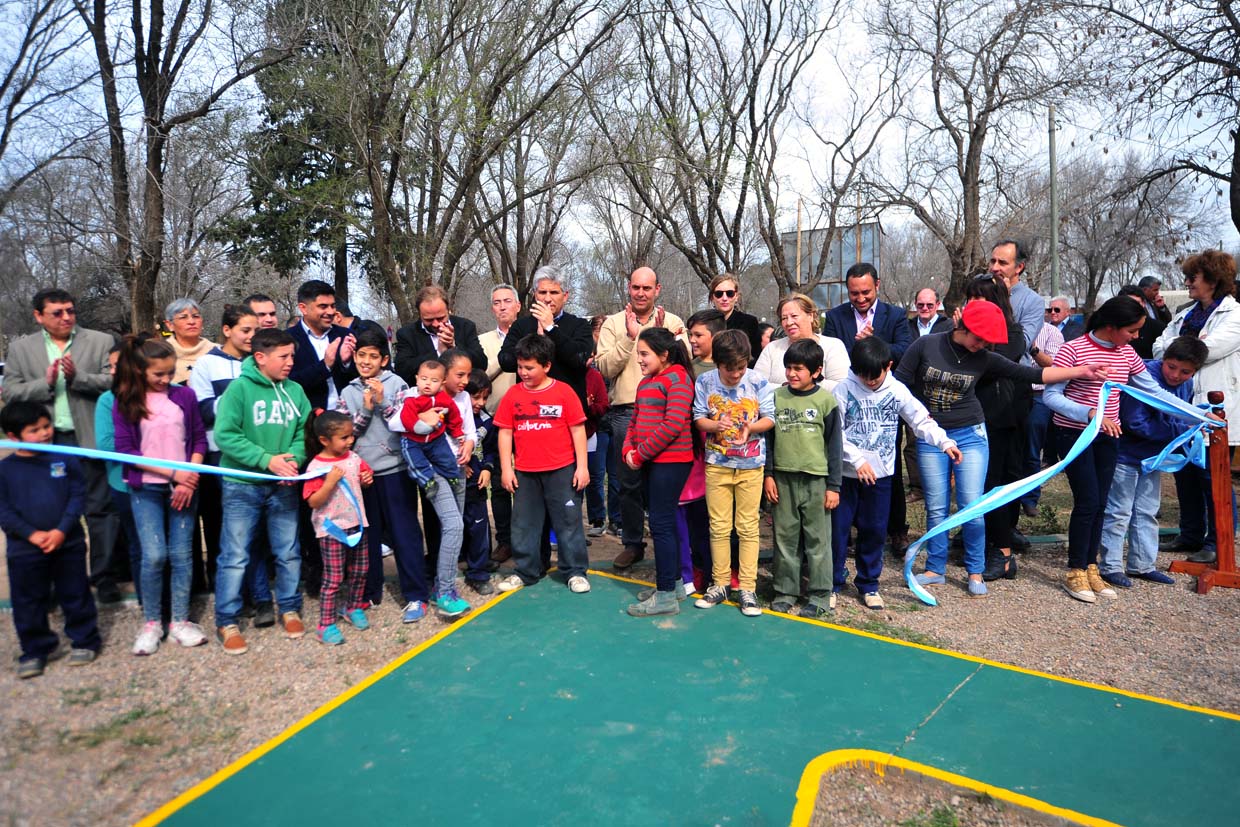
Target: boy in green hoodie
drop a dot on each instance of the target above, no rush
(259, 426)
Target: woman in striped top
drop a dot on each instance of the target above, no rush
(659, 443)
(1109, 331)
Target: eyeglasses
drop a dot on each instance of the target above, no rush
(719, 294)
(64, 312)
(927, 305)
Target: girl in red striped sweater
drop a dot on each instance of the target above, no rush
(659, 443)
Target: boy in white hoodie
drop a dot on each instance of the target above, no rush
(871, 404)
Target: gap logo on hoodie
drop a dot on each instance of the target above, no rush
(274, 412)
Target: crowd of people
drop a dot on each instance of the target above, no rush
(331, 441)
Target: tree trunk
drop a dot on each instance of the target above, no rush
(340, 266)
(1234, 191)
(151, 255)
(381, 222)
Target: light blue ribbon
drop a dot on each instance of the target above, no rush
(199, 468)
(1004, 494)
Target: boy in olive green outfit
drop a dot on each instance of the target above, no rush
(803, 474)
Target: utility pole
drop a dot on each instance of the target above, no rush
(798, 278)
(1050, 119)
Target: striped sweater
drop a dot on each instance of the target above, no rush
(660, 428)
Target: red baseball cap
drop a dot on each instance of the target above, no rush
(985, 319)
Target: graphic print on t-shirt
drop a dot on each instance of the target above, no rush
(535, 416)
(741, 410)
(943, 389)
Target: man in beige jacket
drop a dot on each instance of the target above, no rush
(616, 358)
(65, 367)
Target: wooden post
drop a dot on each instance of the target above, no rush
(1223, 571)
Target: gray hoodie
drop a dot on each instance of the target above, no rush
(375, 443)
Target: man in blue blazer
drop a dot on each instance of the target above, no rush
(861, 317)
(323, 361)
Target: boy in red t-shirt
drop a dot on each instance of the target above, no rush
(541, 421)
(426, 449)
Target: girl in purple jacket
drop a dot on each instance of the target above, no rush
(158, 420)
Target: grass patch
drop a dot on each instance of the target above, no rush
(111, 731)
(940, 816)
(891, 630)
(81, 697)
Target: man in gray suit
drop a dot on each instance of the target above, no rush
(66, 368)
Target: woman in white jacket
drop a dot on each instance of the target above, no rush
(798, 316)
(1214, 318)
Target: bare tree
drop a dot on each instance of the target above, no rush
(186, 56)
(39, 77)
(982, 68)
(697, 133)
(1175, 72)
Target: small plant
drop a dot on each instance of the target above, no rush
(81, 697)
(940, 816)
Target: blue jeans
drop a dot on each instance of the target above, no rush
(424, 460)
(1039, 432)
(596, 491)
(664, 482)
(937, 471)
(245, 505)
(167, 537)
(1131, 508)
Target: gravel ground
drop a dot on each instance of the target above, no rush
(108, 743)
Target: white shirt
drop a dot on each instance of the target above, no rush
(866, 318)
(924, 329)
(320, 343)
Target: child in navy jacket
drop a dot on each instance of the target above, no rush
(42, 497)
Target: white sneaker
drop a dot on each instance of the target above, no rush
(510, 583)
(578, 584)
(148, 639)
(386, 550)
(187, 634)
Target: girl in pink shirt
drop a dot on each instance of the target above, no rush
(158, 420)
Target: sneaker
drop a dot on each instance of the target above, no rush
(578, 584)
(1117, 579)
(187, 634)
(595, 530)
(614, 529)
(749, 604)
(293, 627)
(502, 553)
(1076, 584)
(232, 641)
(414, 611)
(82, 657)
(1206, 554)
(1096, 584)
(815, 612)
(680, 590)
(1154, 576)
(873, 600)
(30, 667)
(451, 604)
(930, 578)
(385, 550)
(657, 603)
(330, 635)
(626, 558)
(511, 583)
(482, 587)
(357, 619)
(831, 601)
(977, 588)
(148, 638)
(784, 606)
(712, 598)
(265, 615)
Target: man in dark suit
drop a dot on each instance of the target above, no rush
(323, 359)
(435, 331)
(861, 317)
(864, 315)
(572, 335)
(1059, 314)
(928, 319)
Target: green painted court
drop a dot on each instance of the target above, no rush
(554, 708)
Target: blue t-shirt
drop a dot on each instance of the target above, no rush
(751, 399)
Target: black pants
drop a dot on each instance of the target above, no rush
(31, 578)
(897, 519)
(1009, 451)
(1089, 477)
(632, 504)
(103, 527)
(477, 550)
(501, 510)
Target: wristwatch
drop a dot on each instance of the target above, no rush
(1034, 351)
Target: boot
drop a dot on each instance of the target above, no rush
(680, 590)
(659, 603)
(999, 565)
(628, 556)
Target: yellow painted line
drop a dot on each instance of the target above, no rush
(1203, 710)
(880, 762)
(258, 752)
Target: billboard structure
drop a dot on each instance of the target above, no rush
(850, 245)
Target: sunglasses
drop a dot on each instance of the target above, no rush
(62, 313)
(719, 294)
(930, 305)
(1054, 310)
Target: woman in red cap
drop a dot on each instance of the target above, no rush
(943, 370)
